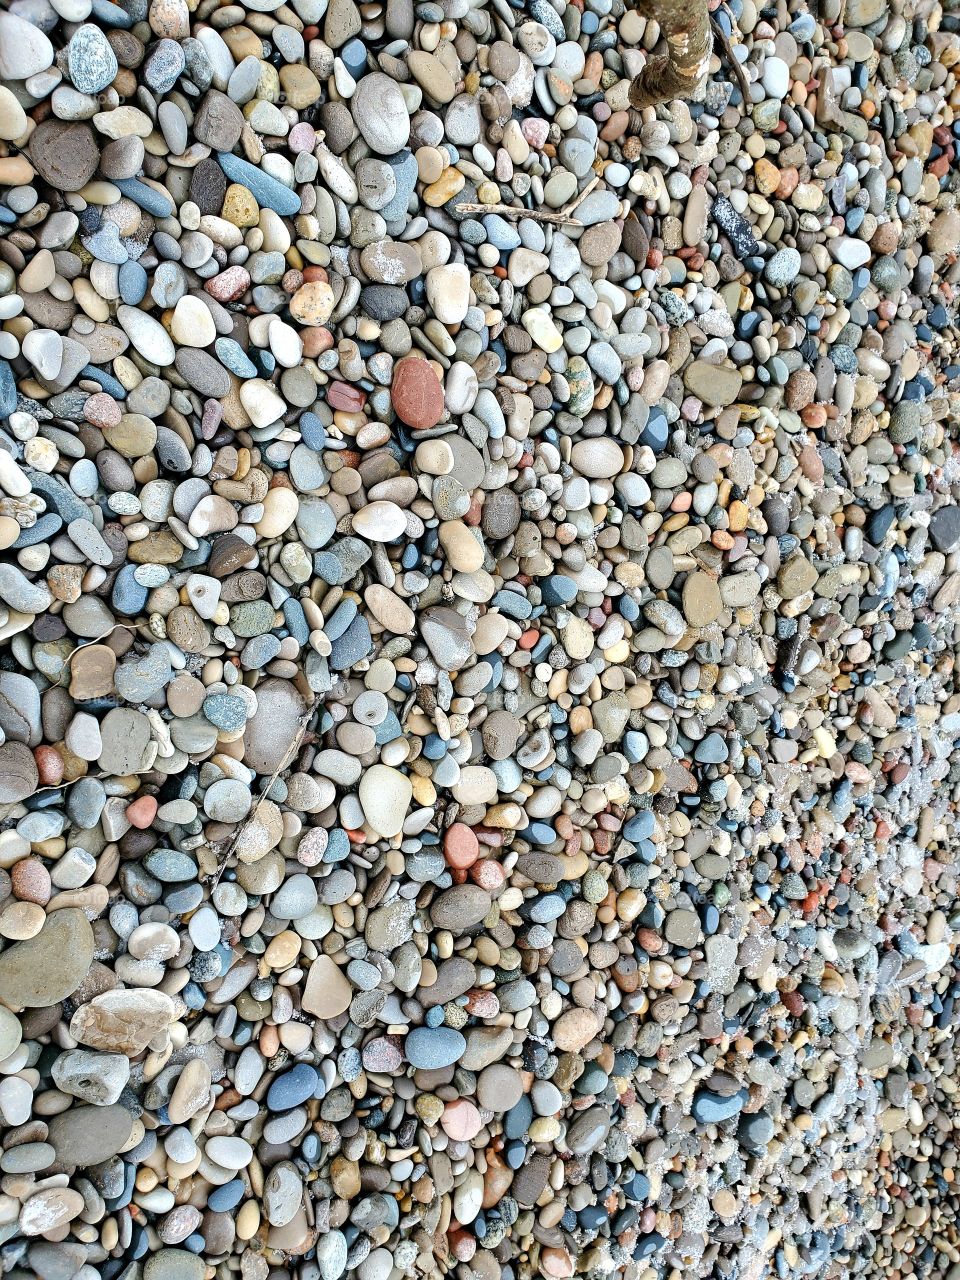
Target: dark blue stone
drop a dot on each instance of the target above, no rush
(338, 846)
(314, 435)
(353, 646)
(656, 432)
(340, 619)
(516, 1153)
(292, 1088)
(647, 1246)
(638, 1188)
(558, 589)
(133, 283)
(431, 1048)
(434, 747)
(111, 15)
(540, 833)
(296, 621)
(388, 729)
(232, 356)
(517, 1121)
(354, 55)
(712, 750)
(513, 604)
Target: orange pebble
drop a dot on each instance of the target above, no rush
(460, 846)
(141, 812)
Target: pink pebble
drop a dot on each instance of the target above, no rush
(302, 137)
(535, 130)
(461, 1120)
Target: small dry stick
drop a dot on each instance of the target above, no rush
(560, 218)
(285, 759)
(721, 36)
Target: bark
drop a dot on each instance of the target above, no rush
(678, 73)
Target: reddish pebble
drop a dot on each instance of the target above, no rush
(463, 1245)
(49, 766)
(141, 812)
(229, 285)
(102, 410)
(556, 1263)
(488, 875)
(482, 1004)
(416, 394)
(461, 1120)
(460, 846)
(316, 341)
(340, 395)
(30, 881)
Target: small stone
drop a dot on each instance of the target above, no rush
(416, 394)
(328, 991)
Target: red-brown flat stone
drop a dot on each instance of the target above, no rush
(416, 394)
(340, 395)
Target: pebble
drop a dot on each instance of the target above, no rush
(477, 716)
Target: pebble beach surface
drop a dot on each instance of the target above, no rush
(478, 695)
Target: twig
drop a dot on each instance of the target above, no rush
(561, 217)
(515, 211)
(285, 759)
(738, 71)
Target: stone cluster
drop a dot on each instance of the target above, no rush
(479, 590)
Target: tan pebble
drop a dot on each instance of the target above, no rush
(328, 991)
(239, 206)
(191, 1092)
(50, 1210)
(248, 1220)
(39, 273)
(312, 303)
(282, 950)
(575, 1029)
(464, 551)
(13, 118)
(16, 171)
(21, 920)
(280, 508)
(9, 532)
